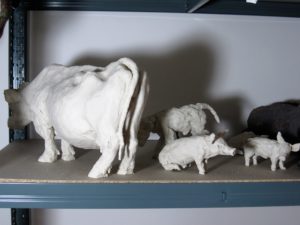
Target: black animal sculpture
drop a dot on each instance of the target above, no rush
(279, 116)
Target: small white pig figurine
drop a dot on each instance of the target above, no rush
(182, 152)
(276, 150)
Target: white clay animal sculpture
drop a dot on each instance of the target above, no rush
(85, 106)
(275, 150)
(182, 152)
(188, 119)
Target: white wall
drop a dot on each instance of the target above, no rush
(5, 218)
(233, 62)
(227, 216)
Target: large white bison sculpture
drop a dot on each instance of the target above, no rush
(85, 106)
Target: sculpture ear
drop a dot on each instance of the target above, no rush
(212, 137)
(12, 96)
(280, 138)
(295, 147)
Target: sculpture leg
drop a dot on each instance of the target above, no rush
(169, 134)
(247, 154)
(198, 125)
(67, 151)
(281, 163)
(274, 163)
(200, 166)
(102, 167)
(254, 158)
(47, 133)
(128, 161)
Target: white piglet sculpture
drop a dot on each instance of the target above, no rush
(276, 150)
(182, 152)
(85, 106)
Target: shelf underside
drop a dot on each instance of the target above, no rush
(18, 164)
(235, 7)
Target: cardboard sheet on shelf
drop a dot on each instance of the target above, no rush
(18, 163)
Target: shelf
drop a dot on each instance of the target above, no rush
(24, 182)
(236, 7)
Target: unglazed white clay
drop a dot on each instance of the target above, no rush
(182, 152)
(188, 119)
(86, 106)
(275, 150)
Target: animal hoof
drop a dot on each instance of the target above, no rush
(68, 157)
(125, 172)
(47, 158)
(95, 175)
(171, 167)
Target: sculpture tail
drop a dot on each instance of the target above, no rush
(208, 107)
(132, 67)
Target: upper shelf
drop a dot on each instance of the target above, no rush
(288, 8)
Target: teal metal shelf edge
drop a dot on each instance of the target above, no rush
(235, 7)
(149, 195)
